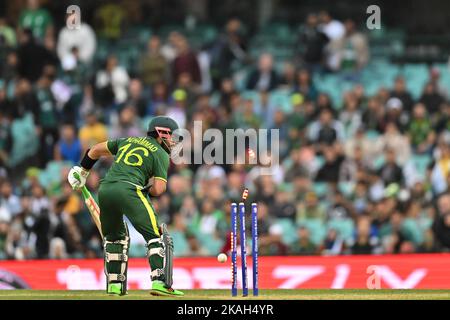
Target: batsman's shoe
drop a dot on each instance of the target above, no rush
(115, 288)
(159, 289)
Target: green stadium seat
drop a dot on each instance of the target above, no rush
(211, 243)
(250, 95)
(320, 189)
(346, 188)
(52, 172)
(372, 134)
(137, 250)
(180, 244)
(25, 140)
(289, 231)
(413, 231)
(281, 99)
(421, 163)
(316, 229)
(344, 227)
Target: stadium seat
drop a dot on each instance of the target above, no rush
(346, 188)
(25, 140)
(344, 227)
(180, 245)
(281, 99)
(320, 188)
(52, 172)
(289, 231)
(413, 231)
(316, 229)
(211, 243)
(421, 163)
(137, 250)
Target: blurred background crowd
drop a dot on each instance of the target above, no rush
(363, 117)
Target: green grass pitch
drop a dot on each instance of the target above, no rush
(225, 294)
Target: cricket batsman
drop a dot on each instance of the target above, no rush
(140, 166)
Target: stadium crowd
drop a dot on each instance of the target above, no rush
(346, 183)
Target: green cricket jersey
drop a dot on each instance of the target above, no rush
(136, 160)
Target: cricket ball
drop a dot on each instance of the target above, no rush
(222, 258)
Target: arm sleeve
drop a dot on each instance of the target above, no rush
(161, 166)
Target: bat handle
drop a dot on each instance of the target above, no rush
(85, 192)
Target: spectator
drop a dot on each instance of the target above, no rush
(283, 207)
(127, 124)
(350, 117)
(392, 139)
(92, 132)
(46, 115)
(333, 243)
(227, 49)
(373, 115)
(108, 28)
(311, 209)
(169, 49)
(264, 78)
(288, 76)
(335, 31)
(68, 148)
(136, 98)
(440, 168)
(391, 172)
(313, 41)
(153, 64)
(441, 224)
(177, 110)
(363, 242)
(5, 139)
(431, 98)
(33, 57)
(185, 62)
(37, 19)
(329, 172)
(7, 34)
(9, 200)
(435, 77)
(397, 240)
(305, 85)
(402, 93)
(194, 246)
(326, 130)
(395, 113)
(58, 249)
(420, 130)
(303, 246)
(113, 79)
(246, 117)
(352, 167)
(353, 49)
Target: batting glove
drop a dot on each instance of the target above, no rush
(77, 177)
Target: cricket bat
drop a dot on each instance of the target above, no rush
(92, 206)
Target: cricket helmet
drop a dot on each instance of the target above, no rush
(163, 127)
